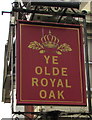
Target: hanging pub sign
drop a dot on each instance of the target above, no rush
(50, 64)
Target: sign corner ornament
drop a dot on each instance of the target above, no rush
(50, 64)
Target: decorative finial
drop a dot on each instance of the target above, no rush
(49, 32)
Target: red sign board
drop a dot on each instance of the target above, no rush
(50, 64)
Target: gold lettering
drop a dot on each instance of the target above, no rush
(46, 71)
(34, 82)
(52, 82)
(55, 71)
(51, 95)
(38, 70)
(60, 83)
(43, 94)
(44, 82)
(60, 95)
(47, 59)
(64, 72)
(67, 84)
(55, 59)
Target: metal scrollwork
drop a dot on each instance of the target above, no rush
(55, 9)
